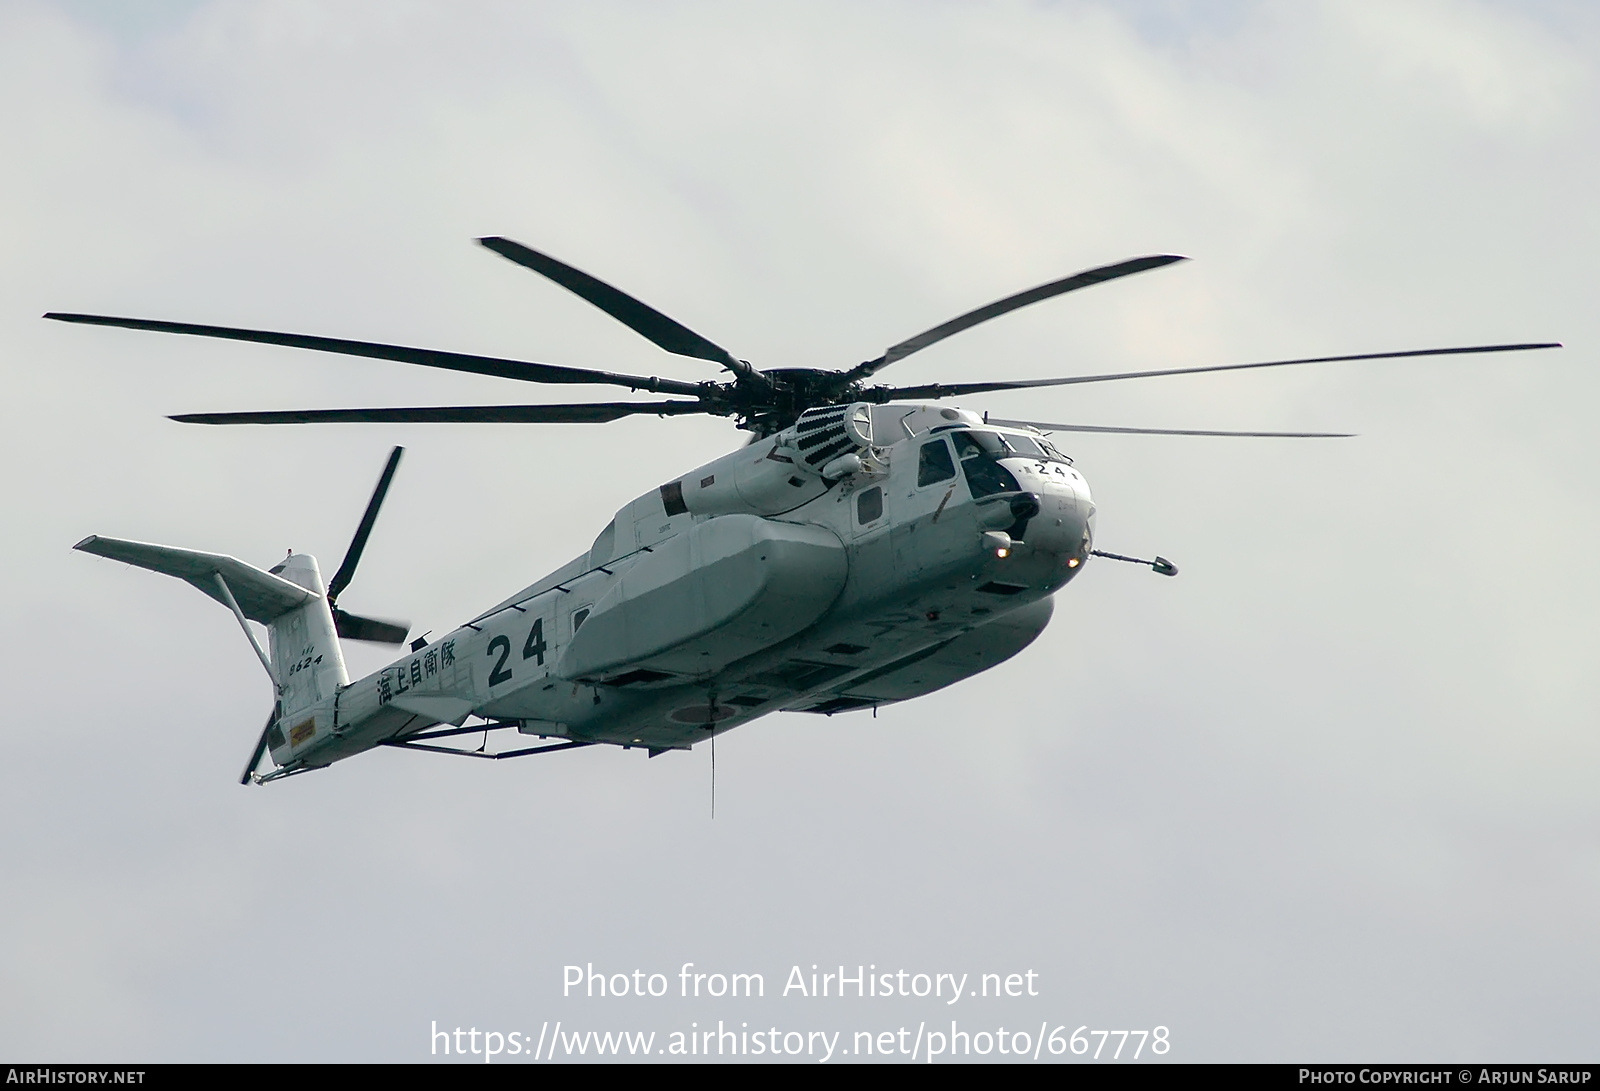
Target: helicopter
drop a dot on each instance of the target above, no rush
(864, 547)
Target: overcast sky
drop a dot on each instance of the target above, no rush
(1328, 795)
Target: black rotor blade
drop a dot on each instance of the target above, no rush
(586, 413)
(352, 556)
(451, 361)
(639, 317)
(376, 630)
(946, 390)
(1043, 427)
(261, 746)
(1010, 303)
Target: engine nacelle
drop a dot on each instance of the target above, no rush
(778, 474)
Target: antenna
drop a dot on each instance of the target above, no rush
(1160, 565)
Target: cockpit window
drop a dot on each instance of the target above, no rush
(1003, 445)
(1053, 453)
(933, 463)
(1025, 446)
(970, 444)
(980, 454)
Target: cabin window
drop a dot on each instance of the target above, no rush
(869, 505)
(934, 464)
(980, 454)
(578, 618)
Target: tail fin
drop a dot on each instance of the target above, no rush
(305, 644)
(304, 622)
(306, 661)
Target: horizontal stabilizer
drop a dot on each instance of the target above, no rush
(261, 595)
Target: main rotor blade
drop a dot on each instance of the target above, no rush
(451, 361)
(1010, 303)
(639, 317)
(587, 413)
(946, 390)
(352, 556)
(1043, 427)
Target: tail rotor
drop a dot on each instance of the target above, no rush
(353, 626)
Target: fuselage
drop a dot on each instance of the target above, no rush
(919, 549)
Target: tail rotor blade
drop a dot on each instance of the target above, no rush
(347, 570)
(261, 746)
(355, 627)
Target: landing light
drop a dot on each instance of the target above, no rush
(999, 541)
(1072, 562)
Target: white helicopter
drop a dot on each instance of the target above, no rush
(864, 548)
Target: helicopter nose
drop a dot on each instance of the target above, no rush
(1061, 524)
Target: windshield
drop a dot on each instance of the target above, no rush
(1025, 446)
(980, 453)
(1003, 445)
